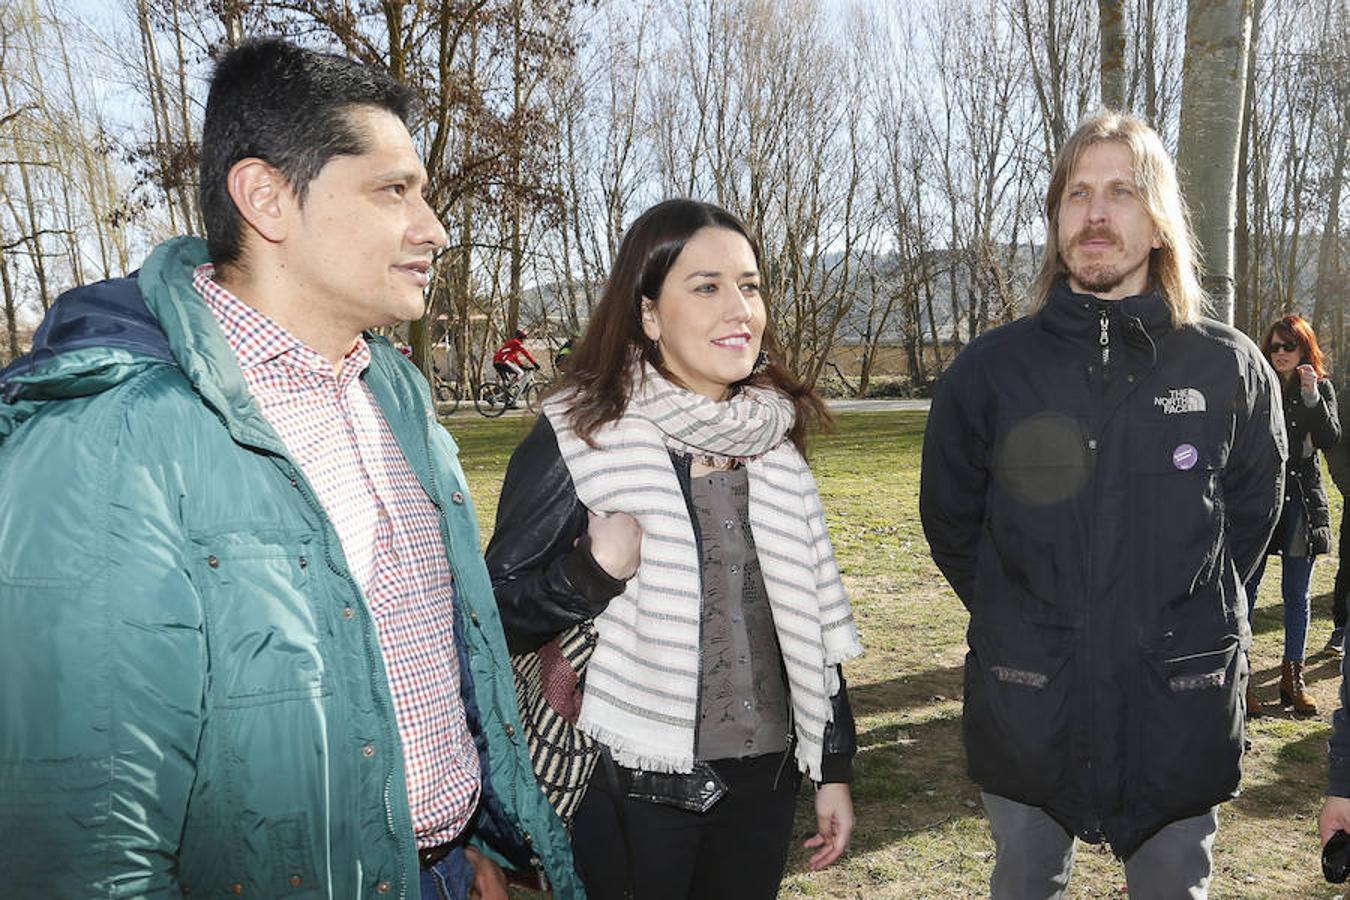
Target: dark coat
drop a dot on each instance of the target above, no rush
(1096, 486)
(1303, 476)
(546, 580)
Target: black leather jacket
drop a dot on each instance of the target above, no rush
(546, 580)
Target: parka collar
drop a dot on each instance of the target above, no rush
(196, 342)
(1078, 316)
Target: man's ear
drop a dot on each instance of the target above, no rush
(651, 327)
(263, 197)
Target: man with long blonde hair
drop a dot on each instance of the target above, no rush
(1099, 478)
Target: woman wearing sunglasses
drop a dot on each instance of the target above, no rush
(1304, 529)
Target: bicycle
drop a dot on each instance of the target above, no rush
(446, 393)
(494, 398)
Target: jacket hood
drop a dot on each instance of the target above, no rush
(98, 336)
(92, 338)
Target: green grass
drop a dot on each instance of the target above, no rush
(921, 831)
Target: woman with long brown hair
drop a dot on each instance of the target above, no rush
(1304, 529)
(664, 495)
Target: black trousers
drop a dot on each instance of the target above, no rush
(1342, 588)
(736, 850)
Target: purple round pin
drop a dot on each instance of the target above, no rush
(1185, 457)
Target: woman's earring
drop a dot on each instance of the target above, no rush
(761, 363)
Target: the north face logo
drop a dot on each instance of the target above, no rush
(1181, 400)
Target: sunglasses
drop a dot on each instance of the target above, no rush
(1281, 345)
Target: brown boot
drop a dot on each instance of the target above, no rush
(1254, 710)
(1293, 692)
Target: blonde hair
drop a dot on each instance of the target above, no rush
(1174, 267)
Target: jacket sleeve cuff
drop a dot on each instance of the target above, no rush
(836, 768)
(588, 576)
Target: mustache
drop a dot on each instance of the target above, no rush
(1096, 234)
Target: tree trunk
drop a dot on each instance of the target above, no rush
(1328, 251)
(190, 199)
(31, 219)
(11, 311)
(1111, 29)
(87, 164)
(1244, 315)
(159, 110)
(1213, 84)
(1150, 33)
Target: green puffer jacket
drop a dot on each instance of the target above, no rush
(192, 695)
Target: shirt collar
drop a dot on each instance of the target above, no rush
(257, 339)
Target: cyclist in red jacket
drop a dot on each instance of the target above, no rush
(512, 357)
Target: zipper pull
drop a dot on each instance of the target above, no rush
(1105, 339)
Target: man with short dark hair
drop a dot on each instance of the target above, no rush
(251, 647)
(1099, 479)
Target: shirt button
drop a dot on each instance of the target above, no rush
(457, 498)
(236, 888)
(368, 751)
(727, 524)
(382, 887)
(735, 570)
(510, 730)
(214, 562)
(296, 881)
(473, 617)
(747, 704)
(304, 562)
(710, 785)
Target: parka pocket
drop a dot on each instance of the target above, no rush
(264, 627)
(1190, 727)
(1018, 710)
(221, 861)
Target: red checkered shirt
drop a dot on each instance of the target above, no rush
(391, 537)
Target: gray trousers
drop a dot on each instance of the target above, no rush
(1035, 856)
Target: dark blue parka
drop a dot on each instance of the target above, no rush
(1096, 486)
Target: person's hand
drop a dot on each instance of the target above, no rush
(489, 881)
(616, 539)
(1335, 817)
(834, 821)
(1307, 378)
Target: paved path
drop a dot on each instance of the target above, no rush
(877, 405)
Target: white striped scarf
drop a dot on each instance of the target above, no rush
(641, 689)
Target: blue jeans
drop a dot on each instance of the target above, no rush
(449, 879)
(1295, 576)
